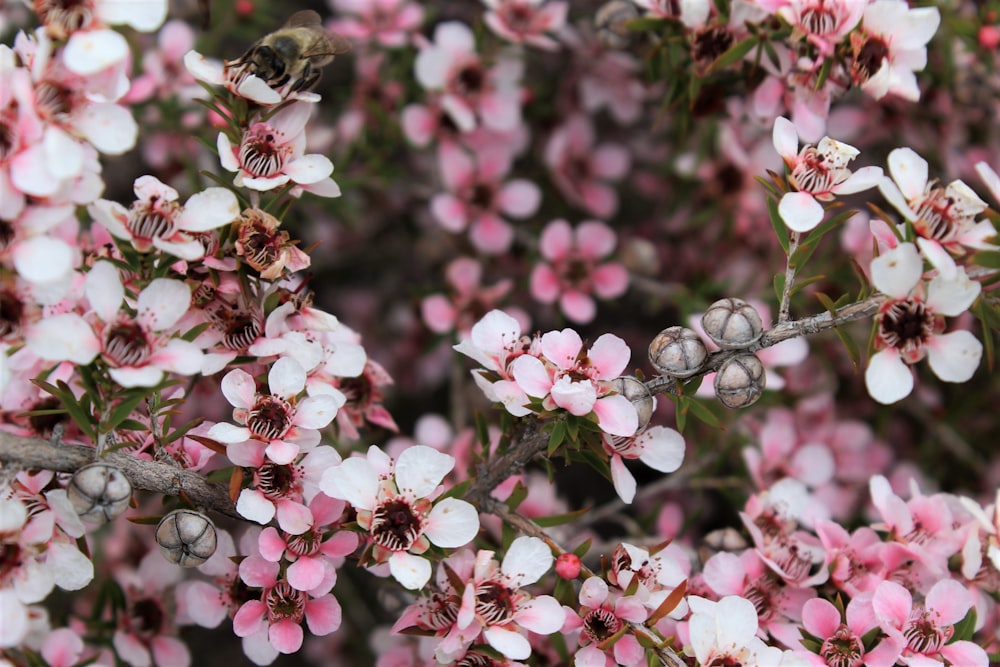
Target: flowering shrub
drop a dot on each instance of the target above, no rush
(362, 359)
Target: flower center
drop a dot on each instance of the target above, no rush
(601, 624)
(125, 344)
(518, 17)
(440, 611)
(818, 20)
(270, 417)
(276, 481)
(11, 313)
(52, 100)
(761, 594)
(869, 59)
(261, 154)
(284, 602)
(394, 525)
(843, 649)
(710, 43)
(906, 325)
(147, 617)
(923, 635)
(239, 327)
(939, 216)
(494, 603)
(791, 560)
(476, 659)
(63, 17)
(812, 174)
(152, 219)
(306, 544)
(470, 80)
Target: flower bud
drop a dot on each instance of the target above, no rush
(186, 537)
(99, 492)
(568, 566)
(611, 23)
(740, 381)
(677, 351)
(732, 323)
(636, 392)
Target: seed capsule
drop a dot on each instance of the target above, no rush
(611, 24)
(186, 537)
(635, 391)
(99, 492)
(740, 381)
(677, 351)
(732, 323)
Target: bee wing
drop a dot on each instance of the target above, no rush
(307, 18)
(332, 45)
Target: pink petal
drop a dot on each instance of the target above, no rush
(491, 234)
(609, 355)
(557, 240)
(580, 308)
(323, 615)
(519, 198)
(611, 162)
(951, 599)
(294, 517)
(542, 614)
(785, 138)
(531, 376)
(820, 617)
(170, 652)
(577, 397)
(545, 285)
(285, 636)
(450, 212)
(249, 619)
(457, 168)
(610, 280)
(306, 574)
(271, 545)
(239, 388)
(598, 198)
(616, 415)
(892, 604)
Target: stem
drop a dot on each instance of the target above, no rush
(786, 292)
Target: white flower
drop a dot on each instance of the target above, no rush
(891, 46)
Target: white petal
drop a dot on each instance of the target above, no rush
(938, 257)
(44, 259)
(512, 644)
(13, 619)
(419, 470)
(662, 448)
(909, 170)
(209, 71)
(66, 337)
(622, 480)
(527, 559)
(254, 506)
(317, 411)
(90, 51)
(736, 621)
(897, 271)
(412, 571)
(892, 194)
(256, 89)
(71, 569)
(143, 15)
(354, 480)
(952, 297)
(888, 379)
(110, 128)
(227, 433)
(286, 378)
(785, 137)
(800, 211)
(452, 523)
(208, 210)
(863, 179)
(955, 356)
(990, 178)
(162, 303)
(309, 169)
(542, 615)
(104, 290)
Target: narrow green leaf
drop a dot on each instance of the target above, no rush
(989, 260)
(824, 73)
(582, 550)
(701, 411)
(683, 403)
(517, 496)
(560, 519)
(734, 53)
(125, 407)
(803, 282)
(646, 24)
(780, 230)
(557, 437)
(779, 286)
(965, 628)
(482, 430)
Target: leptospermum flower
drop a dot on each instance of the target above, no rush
(272, 153)
(584, 172)
(276, 420)
(563, 377)
(603, 613)
(726, 632)
(495, 342)
(575, 268)
(910, 325)
(240, 81)
(494, 603)
(138, 349)
(387, 22)
(526, 21)
(395, 504)
(925, 630)
(943, 217)
(824, 23)
(842, 642)
(818, 173)
(659, 447)
(890, 46)
(156, 220)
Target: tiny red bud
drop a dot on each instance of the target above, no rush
(568, 566)
(244, 8)
(989, 36)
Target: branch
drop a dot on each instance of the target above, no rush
(162, 478)
(531, 443)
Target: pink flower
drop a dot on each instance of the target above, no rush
(579, 383)
(495, 342)
(443, 314)
(692, 13)
(575, 269)
(824, 23)
(891, 46)
(842, 639)
(602, 614)
(583, 172)
(726, 632)
(146, 630)
(910, 325)
(924, 631)
(156, 220)
(818, 173)
(281, 608)
(659, 447)
(526, 21)
(394, 502)
(477, 196)
(271, 154)
(387, 22)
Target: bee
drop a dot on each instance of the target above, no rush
(294, 54)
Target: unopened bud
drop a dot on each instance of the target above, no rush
(636, 392)
(99, 492)
(732, 323)
(186, 537)
(568, 566)
(611, 23)
(740, 381)
(677, 351)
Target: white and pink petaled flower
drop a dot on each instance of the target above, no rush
(62, 19)
(692, 13)
(137, 343)
(842, 642)
(575, 270)
(725, 632)
(239, 80)
(891, 46)
(146, 632)
(603, 613)
(495, 341)
(526, 21)
(275, 421)
(395, 503)
(911, 324)
(565, 377)
(659, 447)
(824, 23)
(470, 93)
(157, 220)
(469, 297)
(387, 22)
(478, 196)
(272, 153)
(584, 172)
(818, 173)
(494, 604)
(943, 217)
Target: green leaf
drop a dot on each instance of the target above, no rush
(74, 408)
(130, 401)
(582, 550)
(780, 229)
(989, 260)
(517, 496)
(482, 430)
(824, 73)
(849, 344)
(803, 282)
(779, 285)
(701, 411)
(734, 54)
(647, 24)
(560, 519)
(965, 628)
(557, 437)
(683, 406)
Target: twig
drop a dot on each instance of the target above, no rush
(786, 292)
(531, 443)
(33, 453)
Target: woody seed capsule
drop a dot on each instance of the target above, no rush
(186, 537)
(611, 23)
(636, 392)
(99, 492)
(677, 351)
(732, 323)
(740, 381)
